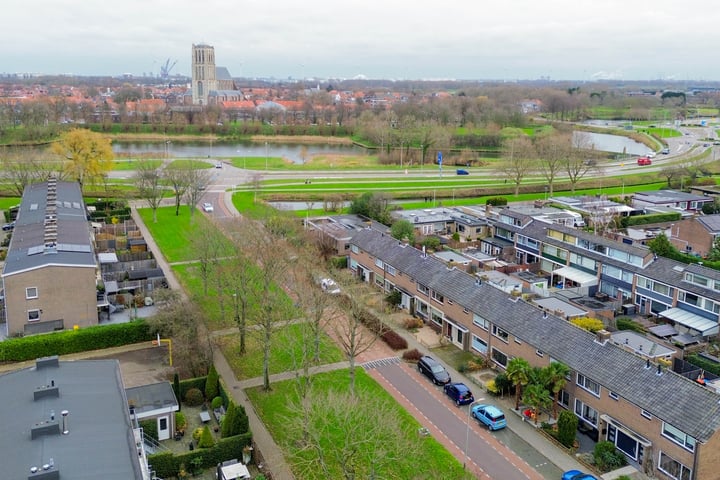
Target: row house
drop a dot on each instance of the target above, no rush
(665, 423)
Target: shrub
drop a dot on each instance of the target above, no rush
(211, 383)
(503, 385)
(567, 425)
(235, 421)
(206, 438)
(592, 325)
(411, 323)
(624, 323)
(394, 340)
(150, 428)
(496, 201)
(216, 402)
(180, 421)
(412, 355)
(394, 298)
(607, 457)
(194, 397)
(197, 433)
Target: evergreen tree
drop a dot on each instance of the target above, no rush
(211, 383)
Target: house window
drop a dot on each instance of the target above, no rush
(646, 414)
(499, 357)
(479, 344)
(31, 292)
(588, 384)
(423, 289)
(564, 399)
(500, 333)
(33, 315)
(379, 263)
(613, 395)
(539, 353)
(672, 468)
(390, 270)
(437, 297)
(480, 321)
(354, 249)
(678, 437)
(586, 412)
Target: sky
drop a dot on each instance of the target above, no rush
(391, 39)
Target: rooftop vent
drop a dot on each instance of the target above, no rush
(659, 370)
(43, 391)
(46, 472)
(47, 427)
(47, 362)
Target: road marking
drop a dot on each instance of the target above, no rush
(380, 363)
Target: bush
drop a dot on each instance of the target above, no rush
(411, 323)
(503, 385)
(150, 428)
(624, 323)
(235, 421)
(412, 355)
(590, 324)
(197, 433)
(211, 383)
(394, 340)
(206, 438)
(216, 402)
(607, 457)
(180, 421)
(194, 397)
(567, 426)
(496, 201)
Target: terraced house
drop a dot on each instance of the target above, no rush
(667, 424)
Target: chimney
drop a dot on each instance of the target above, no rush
(647, 364)
(64, 414)
(545, 315)
(46, 362)
(602, 336)
(659, 370)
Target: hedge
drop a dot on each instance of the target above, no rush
(73, 341)
(704, 363)
(167, 464)
(186, 385)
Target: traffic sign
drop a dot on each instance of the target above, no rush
(439, 158)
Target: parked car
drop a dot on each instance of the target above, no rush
(489, 415)
(577, 475)
(208, 207)
(665, 151)
(8, 226)
(429, 367)
(462, 171)
(218, 164)
(459, 393)
(644, 161)
(328, 285)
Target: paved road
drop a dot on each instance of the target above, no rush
(484, 455)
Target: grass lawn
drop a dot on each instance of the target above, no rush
(173, 233)
(431, 461)
(128, 164)
(285, 355)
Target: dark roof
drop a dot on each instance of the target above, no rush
(100, 442)
(73, 246)
(666, 396)
(147, 398)
(710, 222)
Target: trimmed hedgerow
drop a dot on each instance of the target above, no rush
(73, 341)
(412, 355)
(394, 340)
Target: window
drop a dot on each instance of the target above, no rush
(499, 357)
(500, 333)
(423, 289)
(379, 263)
(33, 315)
(31, 292)
(564, 399)
(613, 395)
(646, 414)
(673, 468)
(678, 437)
(480, 321)
(539, 353)
(586, 412)
(437, 297)
(390, 270)
(354, 249)
(518, 341)
(479, 344)
(588, 385)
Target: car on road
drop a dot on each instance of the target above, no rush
(328, 285)
(459, 393)
(462, 171)
(577, 475)
(207, 207)
(489, 415)
(218, 164)
(665, 151)
(430, 367)
(644, 161)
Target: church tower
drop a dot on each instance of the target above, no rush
(203, 73)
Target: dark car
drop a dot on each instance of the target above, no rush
(462, 171)
(429, 367)
(459, 393)
(8, 226)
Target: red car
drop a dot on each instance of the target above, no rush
(644, 161)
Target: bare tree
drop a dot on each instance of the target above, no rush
(197, 180)
(518, 160)
(576, 165)
(179, 178)
(241, 282)
(21, 172)
(552, 151)
(149, 184)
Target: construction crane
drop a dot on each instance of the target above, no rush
(165, 69)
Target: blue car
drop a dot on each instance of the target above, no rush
(489, 415)
(577, 475)
(459, 393)
(462, 171)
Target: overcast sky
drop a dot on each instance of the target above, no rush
(400, 39)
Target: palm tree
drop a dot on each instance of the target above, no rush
(537, 397)
(556, 377)
(518, 372)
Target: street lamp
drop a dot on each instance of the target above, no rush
(266, 156)
(244, 159)
(467, 428)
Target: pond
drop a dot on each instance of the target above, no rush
(610, 143)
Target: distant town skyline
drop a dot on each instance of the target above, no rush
(517, 40)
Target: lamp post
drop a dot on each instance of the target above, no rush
(467, 429)
(266, 156)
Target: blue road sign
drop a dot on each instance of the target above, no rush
(440, 158)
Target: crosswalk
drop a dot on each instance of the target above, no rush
(380, 363)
